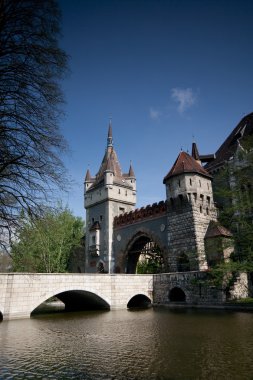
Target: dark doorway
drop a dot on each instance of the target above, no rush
(177, 295)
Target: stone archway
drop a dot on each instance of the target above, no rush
(177, 295)
(144, 255)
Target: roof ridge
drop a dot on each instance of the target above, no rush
(186, 164)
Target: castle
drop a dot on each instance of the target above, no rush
(181, 231)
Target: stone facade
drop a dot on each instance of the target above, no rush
(187, 287)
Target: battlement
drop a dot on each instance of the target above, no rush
(150, 211)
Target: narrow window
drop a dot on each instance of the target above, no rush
(190, 181)
(208, 200)
(207, 211)
(101, 218)
(179, 183)
(199, 183)
(119, 191)
(200, 209)
(195, 197)
(93, 220)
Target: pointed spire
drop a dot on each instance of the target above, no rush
(88, 176)
(131, 171)
(195, 152)
(109, 138)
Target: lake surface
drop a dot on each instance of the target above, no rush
(144, 344)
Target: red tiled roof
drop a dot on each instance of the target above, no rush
(215, 229)
(109, 162)
(228, 148)
(186, 164)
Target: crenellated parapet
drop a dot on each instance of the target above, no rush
(150, 211)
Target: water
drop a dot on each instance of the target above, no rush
(126, 345)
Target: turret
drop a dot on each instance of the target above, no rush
(190, 210)
(130, 177)
(108, 194)
(88, 181)
(188, 180)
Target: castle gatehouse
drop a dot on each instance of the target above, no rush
(179, 232)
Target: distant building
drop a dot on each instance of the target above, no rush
(229, 149)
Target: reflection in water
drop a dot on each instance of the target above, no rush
(148, 344)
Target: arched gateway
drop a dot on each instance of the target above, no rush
(144, 254)
(140, 249)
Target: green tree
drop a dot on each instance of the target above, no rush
(46, 243)
(31, 66)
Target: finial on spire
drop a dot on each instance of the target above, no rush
(109, 138)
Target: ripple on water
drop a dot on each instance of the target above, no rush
(126, 345)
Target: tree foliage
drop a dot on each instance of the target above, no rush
(234, 187)
(234, 190)
(150, 264)
(46, 243)
(31, 65)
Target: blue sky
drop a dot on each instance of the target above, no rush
(164, 71)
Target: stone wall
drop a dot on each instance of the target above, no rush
(191, 283)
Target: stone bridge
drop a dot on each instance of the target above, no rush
(22, 293)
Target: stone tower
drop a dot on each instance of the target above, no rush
(190, 210)
(108, 194)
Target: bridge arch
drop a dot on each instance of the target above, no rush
(177, 294)
(139, 301)
(144, 245)
(75, 299)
